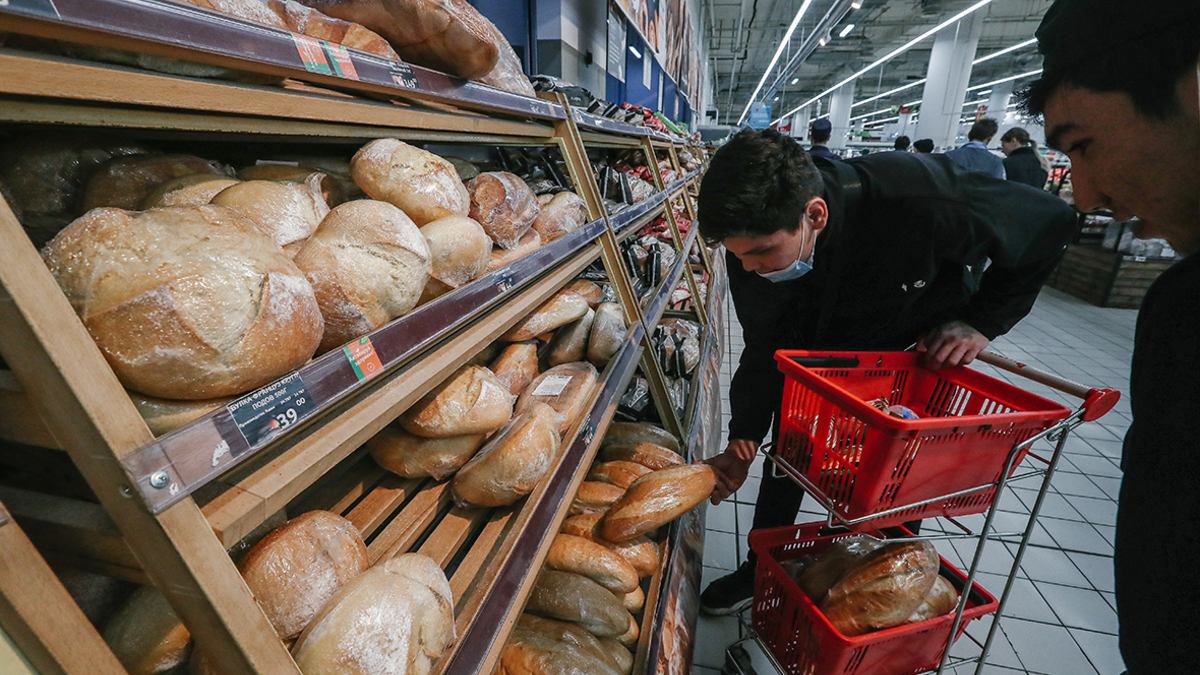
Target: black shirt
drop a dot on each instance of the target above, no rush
(894, 269)
(823, 151)
(1023, 166)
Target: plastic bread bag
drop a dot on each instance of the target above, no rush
(570, 341)
(289, 212)
(507, 74)
(795, 567)
(560, 215)
(568, 596)
(570, 634)
(512, 463)
(411, 456)
(504, 205)
(471, 401)
(640, 432)
(883, 588)
(941, 599)
(590, 290)
(635, 400)
(517, 365)
(531, 652)
(423, 185)
(566, 388)
(608, 333)
(503, 256)
(459, 248)
(562, 308)
(819, 577)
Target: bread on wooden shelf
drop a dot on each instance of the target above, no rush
(504, 205)
(420, 183)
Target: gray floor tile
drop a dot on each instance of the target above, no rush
(701, 670)
(1045, 648)
(1110, 486)
(720, 550)
(1101, 650)
(1077, 484)
(722, 518)
(713, 637)
(1100, 511)
(1097, 568)
(1080, 608)
(1096, 466)
(1074, 535)
(1053, 565)
(1024, 601)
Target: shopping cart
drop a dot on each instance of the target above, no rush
(870, 469)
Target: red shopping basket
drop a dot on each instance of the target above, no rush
(805, 643)
(865, 461)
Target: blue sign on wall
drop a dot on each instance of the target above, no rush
(760, 116)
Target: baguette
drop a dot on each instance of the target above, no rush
(640, 552)
(640, 432)
(471, 401)
(594, 497)
(883, 588)
(566, 632)
(566, 388)
(531, 651)
(618, 472)
(648, 455)
(512, 463)
(567, 596)
(634, 600)
(570, 553)
(620, 654)
(630, 637)
(423, 185)
(504, 205)
(569, 343)
(517, 365)
(562, 308)
(412, 456)
(289, 212)
(657, 498)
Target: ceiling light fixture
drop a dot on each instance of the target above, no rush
(1006, 50)
(846, 31)
(775, 99)
(795, 80)
(774, 59)
(985, 92)
(1006, 79)
(856, 5)
(635, 52)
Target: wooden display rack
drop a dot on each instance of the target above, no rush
(165, 518)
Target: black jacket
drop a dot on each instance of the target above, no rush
(894, 269)
(1023, 167)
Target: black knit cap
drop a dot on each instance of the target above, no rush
(1075, 31)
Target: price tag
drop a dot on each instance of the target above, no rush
(311, 54)
(343, 65)
(403, 75)
(363, 359)
(552, 385)
(270, 411)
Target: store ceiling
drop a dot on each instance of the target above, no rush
(744, 34)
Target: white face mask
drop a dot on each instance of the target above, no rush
(793, 271)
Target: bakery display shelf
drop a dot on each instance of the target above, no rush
(630, 220)
(191, 33)
(658, 301)
(19, 421)
(588, 121)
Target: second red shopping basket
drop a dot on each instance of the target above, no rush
(865, 461)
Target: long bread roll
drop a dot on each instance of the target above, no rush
(618, 472)
(412, 456)
(513, 461)
(569, 343)
(471, 401)
(192, 190)
(634, 600)
(640, 552)
(562, 308)
(648, 455)
(567, 596)
(537, 652)
(145, 634)
(656, 499)
(301, 19)
(590, 290)
(566, 388)
(594, 497)
(883, 589)
(639, 432)
(570, 553)
(502, 256)
(620, 654)
(608, 333)
(569, 633)
(517, 365)
(420, 183)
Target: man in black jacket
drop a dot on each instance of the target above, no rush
(1119, 94)
(870, 253)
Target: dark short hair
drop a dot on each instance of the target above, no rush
(1016, 134)
(757, 184)
(983, 129)
(902, 142)
(924, 145)
(820, 136)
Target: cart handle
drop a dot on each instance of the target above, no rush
(1096, 402)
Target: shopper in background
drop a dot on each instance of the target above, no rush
(821, 130)
(902, 143)
(924, 146)
(869, 253)
(1022, 162)
(974, 155)
(1119, 95)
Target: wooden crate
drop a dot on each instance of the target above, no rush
(1105, 278)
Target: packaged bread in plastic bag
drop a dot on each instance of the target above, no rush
(512, 463)
(412, 456)
(504, 205)
(537, 652)
(821, 574)
(562, 308)
(191, 190)
(471, 401)
(289, 212)
(567, 596)
(594, 497)
(640, 432)
(517, 365)
(500, 257)
(126, 181)
(507, 74)
(566, 388)
(640, 552)
(590, 290)
(656, 499)
(570, 341)
(561, 214)
(459, 252)
(941, 599)
(883, 588)
(420, 183)
(649, 455)
(608, 333)
(574, 635)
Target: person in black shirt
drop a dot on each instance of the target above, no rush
(1119, 95)
(822, 129)
(870, 253)
(1022, 162)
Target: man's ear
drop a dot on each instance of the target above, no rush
(818, 213)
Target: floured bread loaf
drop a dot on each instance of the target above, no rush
(332, 190)
(289, 212)
(420, 183)
(594, 497)
(460, 250)
(538, 652)
(503, 256)
(512, 463)
(620, 654)
(590, 290)
(301, 19)
(125, 182)
(296, 568)
(567, 596)
(504, 205)
(567, 388)
(397, 617)
(562, 308)
(517, 365)
(414, 457)
(569, 633)
(941, 599)
(570, 341)
(145, 635)
(162, 415)
(560, 215)
(639, 432)
(634, 600)
(618, 472)
(647, 454)
(640, 552)
(471, 401)
(186, 302)
(608, 333)
(656, 499)
(367, 263)
(193, 190)
(570, 553)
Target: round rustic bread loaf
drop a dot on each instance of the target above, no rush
(420, 183)
(186, 302)
(192, 190)
(331, 190)
(125, 182)
(297, 567)
(162, 415)
(512, 463)
(145, 634)
(471, 401)
(412, 456)
(367, 263)
(590, 290)
(289, 212)
(460, 251)
(504, 205)
(560, 215)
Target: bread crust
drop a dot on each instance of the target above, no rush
(656, 499)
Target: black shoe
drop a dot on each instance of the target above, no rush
(731, 593)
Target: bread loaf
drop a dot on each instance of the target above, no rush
(397, 617)
(504, 205)
(296, 568)
(569, 633)
(503, 256)
(460, 251)
(620, 655)
(194, 190)
(941, 599)
(590, 290)
(471, 401)
(841, 557)
(648, 455)
(883, 588)
(250, 10)
(186, 302)
(162, 415)
(562, 308)
(423, 185)
(289, 212)
(594, 497)
(634, 600)
(560, 215)
(507, 74)
(567, 388)
(414, 457)
(640, 552)
(145, 635)
(608, 334)
(570, 341)
(630, 637)
(512, 463)
(639, 432)
(536, 652)
(301, 19)
(517, 365)
(332, 190)
(656, 499)
(367, 263)
(487, 356)
(125, 182)
(618, 472)
(573, 597)
(570, 553)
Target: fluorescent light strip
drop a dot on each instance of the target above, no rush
(1006, 79)
(774, 59)
(894, 53)
(1004, 51)
(897, 90)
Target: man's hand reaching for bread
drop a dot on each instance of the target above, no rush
(732, 467)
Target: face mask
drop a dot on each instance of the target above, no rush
(793, 271)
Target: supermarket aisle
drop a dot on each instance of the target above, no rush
(1060, 619)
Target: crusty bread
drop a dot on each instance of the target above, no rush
(125, 182)
(590, 291)
(561, 215)
(608, 333)
(420, 183)
(460, 251)
(162, 415)
(648, 455)
(568, 596)
(562, 308)
(289, 212)
(503, 256)
(517, 365)
(186, 302)
(145, 634)
(630, 637)
(569, 343)
(367, 263)
(531, 651)
(397, 617)
(567, 388)
(504, 205)
(640, 552)
(250, 10)
(513, 461)
(301, 19)
(620, 654)
(618, 472)
(332, 190)
(656, 499)
(192, 190)
(594, 497)
(634, 600)
(507, 74)
(297, 567)
(412, 456)
(883, 588)
(639, 432)
(570, 553)
(471, 401)
(567, 632)
(941, 599)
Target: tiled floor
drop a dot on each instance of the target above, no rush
(1060, 618)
